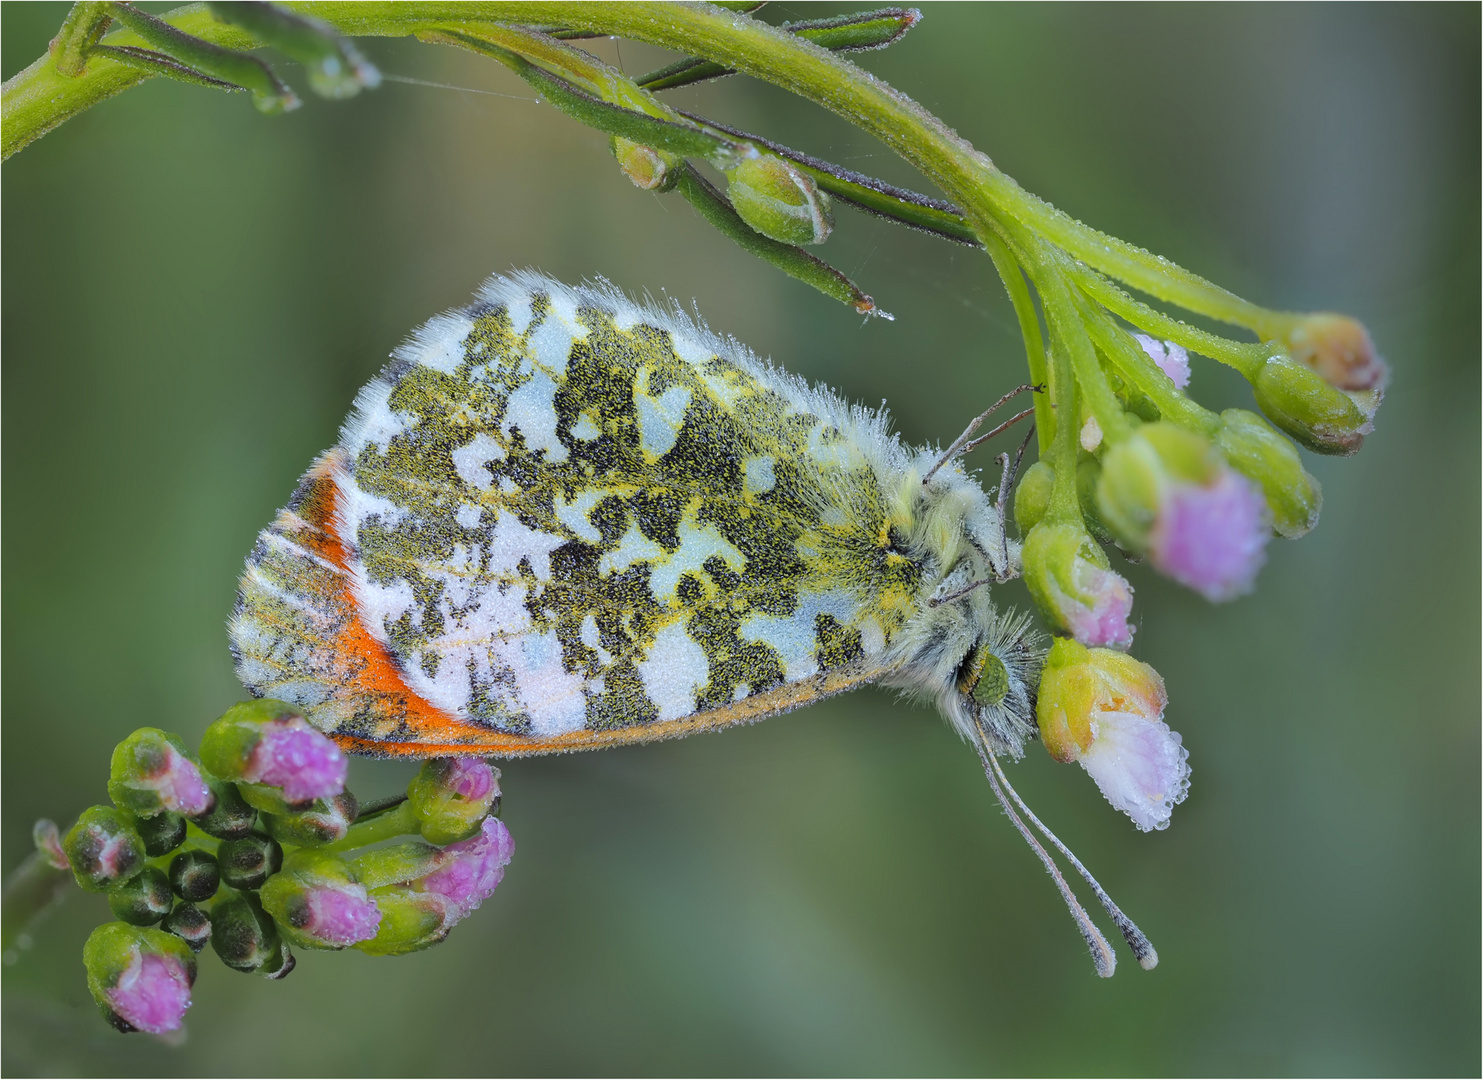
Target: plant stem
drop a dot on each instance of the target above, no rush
(398, 822)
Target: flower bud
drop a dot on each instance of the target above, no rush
(161, 834)
(231, 817)
(1167, 493)
(1105, 710)
(479, 866)
(143, 899)
(279, 761)
(48, 842)
(1303, 404)
(400, 863)
(244, 935)
(1262, 454)
(318, 903)
(450, 796)
(1071, 581)
(141, 979)
(103, 848)
(151, 773)
(780, 200)
(1172, 360)
(1032, 497)
(648, 168)
(248, 862)
(190, 924)
(410, 921)
(194, 875)
(1339, 349)
(324, 822)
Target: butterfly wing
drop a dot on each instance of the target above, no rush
(558, 520)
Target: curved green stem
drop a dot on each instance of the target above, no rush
(1024, 309)
(398, 822)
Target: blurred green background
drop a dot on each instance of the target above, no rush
(193, 293)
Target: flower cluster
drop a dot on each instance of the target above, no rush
(1128, 460)
(256, 847)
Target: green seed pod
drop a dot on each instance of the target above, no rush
(144, 899)
(103, 848)
(232, 816)
(194, 875)
(325, 822)
(250, 861)
(244, 935)
(1303, 404)
(780, 200)
(190, 924)
(1255, 449)
(161, 834)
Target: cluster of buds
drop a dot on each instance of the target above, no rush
(256, 847)
(1129, 461)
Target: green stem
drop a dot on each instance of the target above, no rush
(30, 891)
(1245, 357)
(400, 821)
(1024, 309)
(1065, 504)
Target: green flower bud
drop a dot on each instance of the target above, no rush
(152, 772)
(1339, 349)
(244, 935)
(410, 921)
(1130, 490)
(103, 848)
(140, 978)
(1032, 497)
(1260, 453)
(325, 822)
(1069, 577)
(648, 168)
(318, 902)
(143, 899)
(190, 924)
(780, 200)
(451, 796)
(161, 834)
(231, 817)
(248, 862)
(399, 863)
(1303, 404)
(194, 875)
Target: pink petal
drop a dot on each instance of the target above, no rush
(1140, 765)
(341, 917)
(152, 993)
(479, 867)
(1212, 539)
(293, 756)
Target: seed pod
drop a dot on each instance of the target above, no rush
(244, 935)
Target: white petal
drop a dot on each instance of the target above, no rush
(1140, 766)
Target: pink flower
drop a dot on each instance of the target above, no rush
(471, 778)
(152, 993)
(1172, 360)
(293, 756)
(1103, 621)
(1105, 710)
(339, 916)
(477, 868)
(1211, 537)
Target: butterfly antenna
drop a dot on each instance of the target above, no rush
(1148, 957)
(961, 445)
(1103, 958)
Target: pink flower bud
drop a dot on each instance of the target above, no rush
(1212, 538)
(1172, 360)
(152, 993)
(340, 916)
(293, 756)
(477, 869)
(1070, 580)
(150, 775)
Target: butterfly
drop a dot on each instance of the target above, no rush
(559, 520)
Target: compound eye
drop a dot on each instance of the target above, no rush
(984, 678)
(993, 680)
